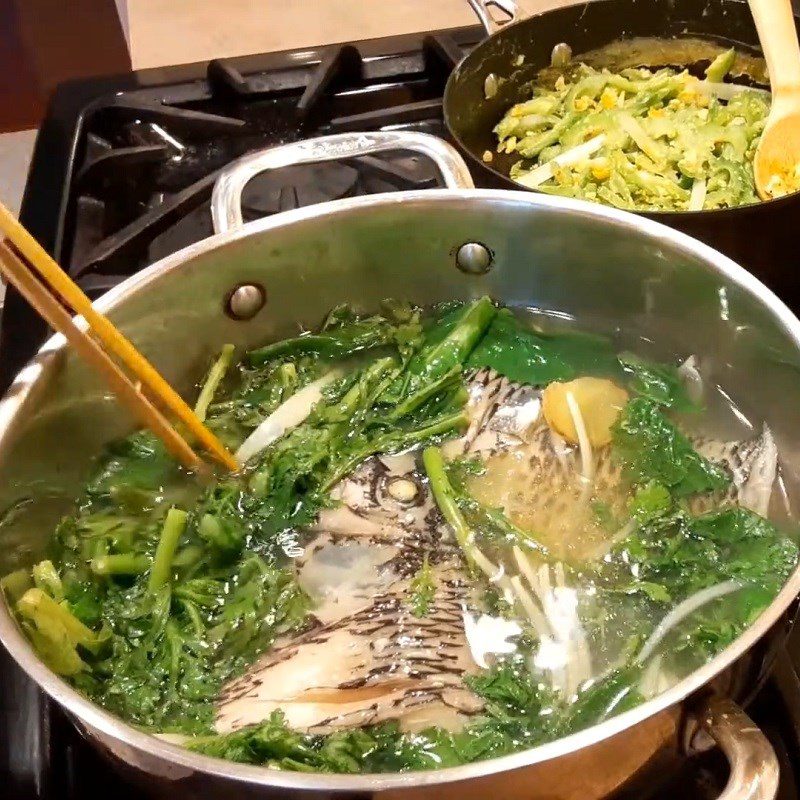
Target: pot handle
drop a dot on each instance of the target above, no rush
(754, 766)
(509, 7)
(226, 199)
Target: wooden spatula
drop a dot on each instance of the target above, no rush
(778, 153)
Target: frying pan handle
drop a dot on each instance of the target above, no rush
(226, 200)
(754, 769)
(509, 7)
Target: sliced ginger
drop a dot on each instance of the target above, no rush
(599, 401)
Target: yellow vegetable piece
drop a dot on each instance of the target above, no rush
(609, 98)
(599, 401)
(785, 179)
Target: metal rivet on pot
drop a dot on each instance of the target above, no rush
(245, 301)
(561, 55)
(474, 258)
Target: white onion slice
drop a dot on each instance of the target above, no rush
(649, 146)
(527, 569)
(725, 91)
(650, 682)
(286, 416)
(544, 172)
(697, 198)
(691, 378)
(682, 611)
(587, 460)
(536, 617)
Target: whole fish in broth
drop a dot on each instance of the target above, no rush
(367, 658)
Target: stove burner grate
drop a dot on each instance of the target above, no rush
(147, 167)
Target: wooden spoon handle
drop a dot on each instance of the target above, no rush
(778, 36)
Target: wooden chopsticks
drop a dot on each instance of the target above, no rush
(41, 281)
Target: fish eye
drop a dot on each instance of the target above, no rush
(402, 489)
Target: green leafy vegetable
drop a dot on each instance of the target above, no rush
(750, 547)
(345, 334)
(657, 382)
(527, 356)
(684, 553)
(170, 649)
(713, 627)
(651, 448)
(174, 525)
(650, 502)
(446, 347)
(150, 609)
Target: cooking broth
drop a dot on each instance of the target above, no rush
(458, 533)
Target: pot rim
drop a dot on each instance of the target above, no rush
(95, 717)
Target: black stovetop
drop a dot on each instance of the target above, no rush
(123, 167)
(122, 175)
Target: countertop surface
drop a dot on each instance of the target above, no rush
(15, 156)
(210, 29)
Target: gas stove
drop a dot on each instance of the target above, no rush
(123, 167)
(122, 175)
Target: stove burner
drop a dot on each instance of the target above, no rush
(296, 187)
(149, 159)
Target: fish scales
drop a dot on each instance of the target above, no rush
(366, 657)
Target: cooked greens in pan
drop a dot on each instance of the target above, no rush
(643, 139)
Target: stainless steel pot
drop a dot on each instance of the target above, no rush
(611, 270)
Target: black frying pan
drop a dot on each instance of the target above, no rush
(763, 237)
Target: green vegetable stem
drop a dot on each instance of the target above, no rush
(174, 525)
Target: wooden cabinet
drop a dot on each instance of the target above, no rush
(45, 42)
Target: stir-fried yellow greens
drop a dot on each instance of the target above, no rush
(639, 139)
